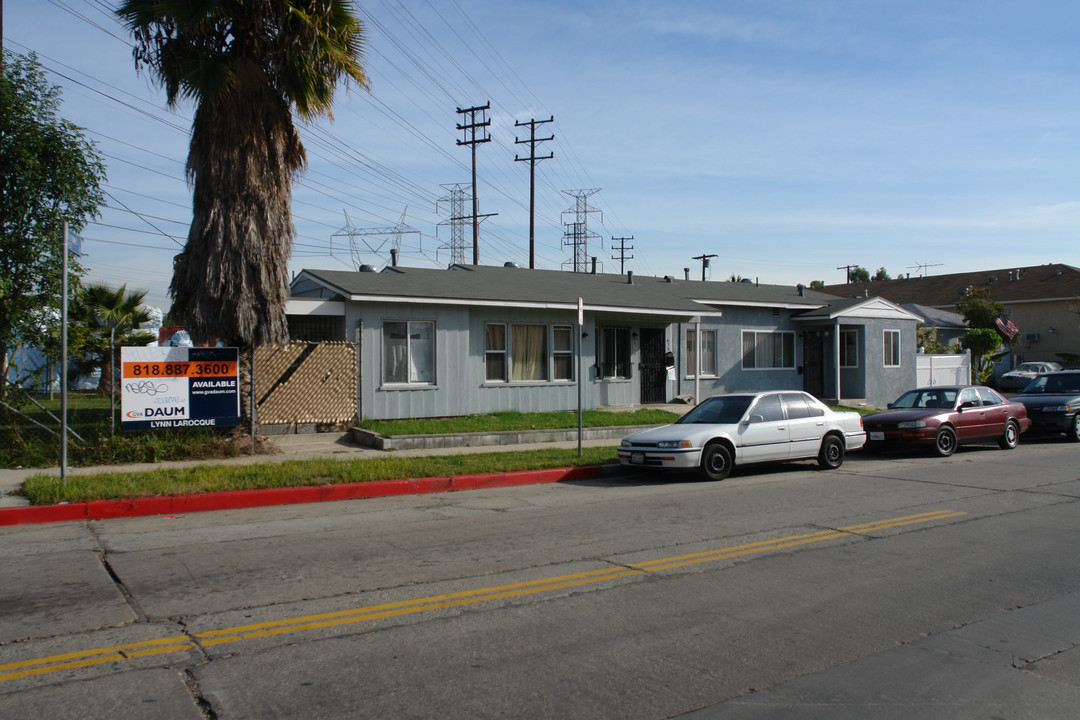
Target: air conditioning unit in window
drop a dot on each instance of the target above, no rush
(1031, 337)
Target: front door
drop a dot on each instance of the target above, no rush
(653, 366)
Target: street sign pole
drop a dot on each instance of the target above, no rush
(63, 355)
(581, 374)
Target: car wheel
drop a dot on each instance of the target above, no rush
(1011, 437)
(716, 461)
(1073, 432)
(945, 442)
(831, 455)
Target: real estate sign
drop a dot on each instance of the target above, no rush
(165, 387)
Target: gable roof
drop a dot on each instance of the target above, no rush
(876, 307)
(1010, 285)
(522, 287)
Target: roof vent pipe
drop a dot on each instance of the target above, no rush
(593, 264)
(393, 257)
(800, 287)
(686, 272)
(630, 277)
(668, 278)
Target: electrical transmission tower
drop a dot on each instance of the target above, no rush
(622, 257)
(532, 176)
(577, 233)
(456, 221)
(360, 244)
(469, 129)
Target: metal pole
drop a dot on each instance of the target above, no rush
(251, 386)
(581, 370)
(112, 381)
(63, 355)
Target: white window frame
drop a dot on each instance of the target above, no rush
(890, 350)
(845, 358)
(782, 334)
(556, 353)
(691, 353)
(488, 352)
(604, 352)
(409, 354)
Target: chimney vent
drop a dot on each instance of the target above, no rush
(630, 277)
(686, 272)
(593, 264)
(393, 257)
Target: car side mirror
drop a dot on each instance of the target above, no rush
(889, 406)
(968, 404)
(754, 418)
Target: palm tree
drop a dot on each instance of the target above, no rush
(247, 64)
(112, 316)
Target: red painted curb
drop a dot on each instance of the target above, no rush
(236, 499)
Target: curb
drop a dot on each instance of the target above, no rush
(238, 499)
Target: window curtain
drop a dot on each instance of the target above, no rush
(421, 353)
(691, 355)
(529, 352)
(708, 352)
(748, 348)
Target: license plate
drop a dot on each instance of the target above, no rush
(877, 436)
(637, 458)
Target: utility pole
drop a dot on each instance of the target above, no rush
(622, 256)
(704, 263)
(471, 140)
(532, 176)
(847, 269)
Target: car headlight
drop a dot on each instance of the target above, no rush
(673, 444)
(911, 424)
(1056, 408)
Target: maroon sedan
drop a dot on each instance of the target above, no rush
(946, 416)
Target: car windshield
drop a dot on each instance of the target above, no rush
(1054, 384)
(930, 398)
(726, 409)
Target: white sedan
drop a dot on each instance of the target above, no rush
(742, 428)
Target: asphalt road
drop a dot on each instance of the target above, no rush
(893, 587)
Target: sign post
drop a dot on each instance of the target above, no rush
(166, 387)
(581, 378)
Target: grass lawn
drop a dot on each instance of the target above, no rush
(47, 489)
(516, 421)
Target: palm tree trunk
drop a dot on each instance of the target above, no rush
(231, 280)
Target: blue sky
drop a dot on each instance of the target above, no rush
(786, 138)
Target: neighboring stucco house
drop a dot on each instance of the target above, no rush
(474, 339)
(1041, 300)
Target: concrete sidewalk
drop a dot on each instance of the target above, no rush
(291, 447)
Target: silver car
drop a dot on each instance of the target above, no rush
(1022, 374)
(742, 428)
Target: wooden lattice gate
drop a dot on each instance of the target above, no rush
(306, 383)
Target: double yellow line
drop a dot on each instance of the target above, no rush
(180, 643)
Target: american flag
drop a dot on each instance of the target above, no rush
(1006, 327)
